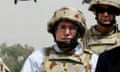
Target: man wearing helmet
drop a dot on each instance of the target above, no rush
(105, 34)
(66, 26)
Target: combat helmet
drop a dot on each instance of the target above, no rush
(113, 3)
(70, 14)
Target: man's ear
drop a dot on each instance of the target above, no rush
(94, 12)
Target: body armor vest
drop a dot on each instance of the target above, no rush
(100, 43)
(57, 62)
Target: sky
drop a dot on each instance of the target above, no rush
(26, 22)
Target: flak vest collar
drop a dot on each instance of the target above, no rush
(55, 62)
(95, 32)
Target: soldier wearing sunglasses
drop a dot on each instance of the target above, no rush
(105, 34)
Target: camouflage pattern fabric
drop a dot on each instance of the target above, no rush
(98, 43)
(55, 62)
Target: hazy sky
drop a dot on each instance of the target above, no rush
(26, 22)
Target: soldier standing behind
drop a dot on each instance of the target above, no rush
(105, 34)
(66, 55)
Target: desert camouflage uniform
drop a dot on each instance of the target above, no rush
(54, 62)
(94, 40)
(62, 62)
(99, 43)
(58, 62)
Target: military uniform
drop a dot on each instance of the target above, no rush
(58, 62)
(93, 39)
(50, 60)
(98, 43)
(54, 59)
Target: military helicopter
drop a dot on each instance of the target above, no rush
(16, 1)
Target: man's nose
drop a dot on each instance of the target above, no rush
(106, 13)
(67, 31)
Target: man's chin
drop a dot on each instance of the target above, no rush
(106, 24)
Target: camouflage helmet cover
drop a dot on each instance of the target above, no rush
(113, 3)
(67, 13)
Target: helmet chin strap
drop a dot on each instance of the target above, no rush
(73, 43)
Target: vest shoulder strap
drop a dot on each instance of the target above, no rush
(48, 49)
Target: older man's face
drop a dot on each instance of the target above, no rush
(65, 31)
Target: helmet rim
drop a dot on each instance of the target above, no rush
(111, 3)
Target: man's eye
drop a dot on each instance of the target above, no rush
(61, 27)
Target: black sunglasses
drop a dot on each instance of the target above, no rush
(109, 10)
